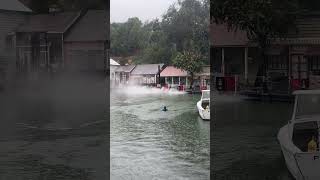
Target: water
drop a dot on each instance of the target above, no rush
(244, 143)
(147, 143)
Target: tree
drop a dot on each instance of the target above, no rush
(186, 25)
(263, 20)
(190, 61)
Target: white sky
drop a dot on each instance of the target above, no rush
(121, 10)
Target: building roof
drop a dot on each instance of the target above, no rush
(171, 71)
(113, 63)
(147, 69)
(221, 36)
(205, 71)
(127, 68)
(53, 22)
(13, 5)
(93, 26)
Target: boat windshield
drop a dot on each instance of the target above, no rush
(205, 94)
(308, 105)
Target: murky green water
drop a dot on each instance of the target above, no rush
(147, 143)
(245, 142)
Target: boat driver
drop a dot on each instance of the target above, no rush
(312, 145)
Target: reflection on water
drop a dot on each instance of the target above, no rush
(245, 142)
(148, 143)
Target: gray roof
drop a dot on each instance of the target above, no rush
(57, 22)
(93, 26)
(127, 68)
(13, 5)
(145, 69)
(205, 71)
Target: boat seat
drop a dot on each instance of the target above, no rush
(302, 134)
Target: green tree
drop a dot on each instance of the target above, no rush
(190, 61)
(263, 20)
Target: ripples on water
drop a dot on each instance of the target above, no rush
(244, 140)
(148, 143)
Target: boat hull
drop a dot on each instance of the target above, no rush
(204, 114)
(302, 165)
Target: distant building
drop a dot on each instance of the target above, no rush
(62, 41)
(40, 42)
(147, 74)
(113, 66)
(174, 77)
(290, 63)
(12, 14)
(86, 44)
(123, 74)
(201, 80)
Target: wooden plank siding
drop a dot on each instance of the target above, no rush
(84, 55)
(9, 21)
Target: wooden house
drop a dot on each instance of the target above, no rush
(291, 63)
(12, 14)
(147, 74)
(86, 45)
(123, 74)
(174, 77)
(40, 42)
(201, 80)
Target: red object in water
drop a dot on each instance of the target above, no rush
(295, 84)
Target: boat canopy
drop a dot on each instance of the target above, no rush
(307, 105)
(205, 95)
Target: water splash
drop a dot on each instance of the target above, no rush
(142, 90)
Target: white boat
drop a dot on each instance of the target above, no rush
(203, 105)
(296, 135)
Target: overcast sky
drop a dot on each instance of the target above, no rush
(121, 10)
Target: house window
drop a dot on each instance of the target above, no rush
(314, 65)
(276, 62)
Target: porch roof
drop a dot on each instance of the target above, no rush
(93, 26)
(147, 69)
(221, 36)
(126, 69)
(204, 72)
(54, 22)
(13, 5)
(171, 71)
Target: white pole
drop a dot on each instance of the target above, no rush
(246, 64)
(222, 62)
(179, 81)
(235, 84)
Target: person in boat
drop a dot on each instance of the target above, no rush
(164, 108)
(312, 145)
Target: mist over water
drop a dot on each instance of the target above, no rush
(53, 125)
(135, 90)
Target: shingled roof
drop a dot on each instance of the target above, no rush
(93, 26)
(126, 69)
(13, 5)
(221, 36)
(171, 71)
(147, 69)
(54, 22)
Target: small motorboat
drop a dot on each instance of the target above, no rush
(203, 105)
(295, 138)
